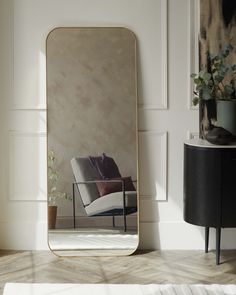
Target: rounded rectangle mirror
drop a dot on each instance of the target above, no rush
(92, 141)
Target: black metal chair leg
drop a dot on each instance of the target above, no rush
(206, 239)
(125, 225)
(218, 235)
(124, 214)
(113, 221)
(73, 201)
(124, 206)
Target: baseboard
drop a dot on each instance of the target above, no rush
(98, 221)
(23, 235)
(179, 235)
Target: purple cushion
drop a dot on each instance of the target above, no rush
(106, 188)
(105, 166)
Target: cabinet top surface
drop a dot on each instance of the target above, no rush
(198, 142)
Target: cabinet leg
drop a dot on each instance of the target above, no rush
(218, 234)
(206, 239)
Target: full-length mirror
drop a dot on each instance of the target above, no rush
(92, 141)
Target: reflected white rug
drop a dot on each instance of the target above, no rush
(109, 289)
(99, 239)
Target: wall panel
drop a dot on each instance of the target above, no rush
(153, 164)
(27, 166)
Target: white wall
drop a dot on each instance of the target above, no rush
(165, 115)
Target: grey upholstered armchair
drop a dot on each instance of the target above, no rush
(113, 204)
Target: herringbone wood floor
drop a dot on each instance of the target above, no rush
(142, 268)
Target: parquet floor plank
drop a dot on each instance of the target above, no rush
(145, 267)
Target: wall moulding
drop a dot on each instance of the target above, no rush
(159, 101)
(27, 166)
(153, 165)
(194, 25)
(27, 120)
(29, 60)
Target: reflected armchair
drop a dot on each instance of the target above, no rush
(120, 203)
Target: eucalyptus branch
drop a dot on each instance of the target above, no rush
(211, 82)
(53, 179)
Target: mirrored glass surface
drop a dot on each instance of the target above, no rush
(92, 141)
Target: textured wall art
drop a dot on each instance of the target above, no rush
(217, 27)
(217, 30)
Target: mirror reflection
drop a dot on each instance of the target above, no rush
(92, 141)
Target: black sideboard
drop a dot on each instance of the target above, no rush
(210, 187)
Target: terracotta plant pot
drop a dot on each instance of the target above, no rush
(52, 217)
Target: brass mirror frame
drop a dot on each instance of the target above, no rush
(126, 252)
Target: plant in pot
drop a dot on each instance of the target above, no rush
(53, 193)
(215, 93)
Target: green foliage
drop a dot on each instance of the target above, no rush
(217, 80)
(53, 178)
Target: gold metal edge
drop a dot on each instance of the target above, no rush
(137, 138)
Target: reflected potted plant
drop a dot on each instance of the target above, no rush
(53, 193)
(215, 93)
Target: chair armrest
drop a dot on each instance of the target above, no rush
(103, 180)
(99, 180)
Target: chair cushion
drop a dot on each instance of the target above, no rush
(109, 187)
(110, 202)
(84, 171)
